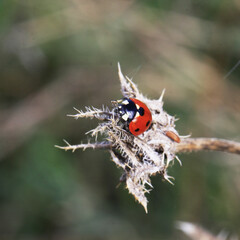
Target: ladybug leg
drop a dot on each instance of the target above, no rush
(151, 125)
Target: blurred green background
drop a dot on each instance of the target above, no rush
(55, 55)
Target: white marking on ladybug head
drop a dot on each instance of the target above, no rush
(137, 106)
(137, 114)
(125, 117)
(125, 102)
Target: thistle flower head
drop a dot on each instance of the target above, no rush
(140, 156)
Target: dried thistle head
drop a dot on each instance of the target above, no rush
(139, 156)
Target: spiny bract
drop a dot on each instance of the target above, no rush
(139, 156)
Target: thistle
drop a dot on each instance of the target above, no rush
(141, 156)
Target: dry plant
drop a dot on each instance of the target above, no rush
(196, 232)
(148, 154)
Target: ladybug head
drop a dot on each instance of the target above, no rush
(126, 109)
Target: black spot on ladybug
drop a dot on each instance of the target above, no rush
(141, 111)
(136, 130)
(147, 123)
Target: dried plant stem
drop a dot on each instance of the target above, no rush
(212, 144)
(186, 145)
(101, 145)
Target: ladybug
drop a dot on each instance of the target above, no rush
(135, 115)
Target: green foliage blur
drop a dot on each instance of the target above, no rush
(55, 55)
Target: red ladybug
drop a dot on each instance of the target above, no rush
(135, 114)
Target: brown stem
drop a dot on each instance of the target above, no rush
(186, 145)
(213, 144)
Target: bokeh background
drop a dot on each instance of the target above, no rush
(59, 54)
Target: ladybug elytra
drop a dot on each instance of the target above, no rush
(135, 114)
